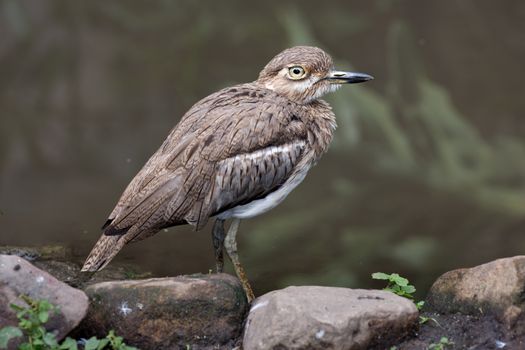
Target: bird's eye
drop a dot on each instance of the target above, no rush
(296, 72)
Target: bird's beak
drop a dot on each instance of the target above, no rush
(340, 77)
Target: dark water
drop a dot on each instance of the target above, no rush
(427, 172)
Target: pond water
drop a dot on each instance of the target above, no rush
(426, 173)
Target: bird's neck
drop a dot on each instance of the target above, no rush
(321, 125)
(318, 117)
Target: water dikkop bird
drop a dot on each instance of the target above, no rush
(234, 155)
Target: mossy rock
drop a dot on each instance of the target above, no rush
(200, 311)
(48, 252)
(495, 288)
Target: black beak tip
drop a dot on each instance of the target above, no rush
(363, 78)
(340, 77)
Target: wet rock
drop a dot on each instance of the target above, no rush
(69, 272)
(38, 253)
(65, 271)
(19, 277)
(496, 288)
(62, 264)
(199, 311)
(328, 318)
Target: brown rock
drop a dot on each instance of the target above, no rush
(69, 272)
(495, 288)
(60, 262)
(328, 318)
(47, 252)
(201, 311)
(19, 277)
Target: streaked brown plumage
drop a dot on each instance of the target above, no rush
(234, 154)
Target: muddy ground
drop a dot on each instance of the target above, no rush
(465, 332)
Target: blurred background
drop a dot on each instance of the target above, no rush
(426, 174)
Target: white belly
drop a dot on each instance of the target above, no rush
(262, 205)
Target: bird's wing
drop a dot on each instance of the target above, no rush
(246, 177)
(235, 146)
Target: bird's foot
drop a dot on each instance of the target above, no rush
(245, 283)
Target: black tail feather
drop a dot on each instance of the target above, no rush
(114, 231)
(106, 224)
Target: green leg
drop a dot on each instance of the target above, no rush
(230, 243)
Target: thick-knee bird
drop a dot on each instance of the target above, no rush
(234, 155)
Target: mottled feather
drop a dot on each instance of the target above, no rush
(233, 147)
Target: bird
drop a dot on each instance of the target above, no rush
(234, 155)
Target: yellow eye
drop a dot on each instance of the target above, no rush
(296, 72)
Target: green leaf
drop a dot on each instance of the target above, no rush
(420, 304)
(103, 343)
(50, 340)
(43, 316)
(445, 341)
(69, 344)
(409, 289)
(92, 344)
(115, 340)
(380, 276)
(400, 281)
(38, 341)
(16, 307)
(21, 314)
(8, 333)
(44, 305)
(125, 347)
(25, 324)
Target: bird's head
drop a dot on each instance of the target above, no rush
(305, 73)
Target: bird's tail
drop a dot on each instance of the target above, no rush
(104, 250)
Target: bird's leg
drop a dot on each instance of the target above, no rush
(217, 235)
(230, 243)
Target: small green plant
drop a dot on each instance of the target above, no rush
(113, 341)
(400, 286)
(424, 319)
(396, 284)
(444, 342)
(31, 320)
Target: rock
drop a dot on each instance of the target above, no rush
(495, 288)
(65, 271)
(38, 253)
(19, 277)
(69, 272)
(200, 311)
(328, 318)
(60, 262)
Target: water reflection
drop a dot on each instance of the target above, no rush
(426, 173)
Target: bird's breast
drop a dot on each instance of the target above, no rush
(260, 206)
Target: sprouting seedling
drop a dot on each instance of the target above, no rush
(444, 343)
(400, 286)
(32, 318)
(396, 284)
